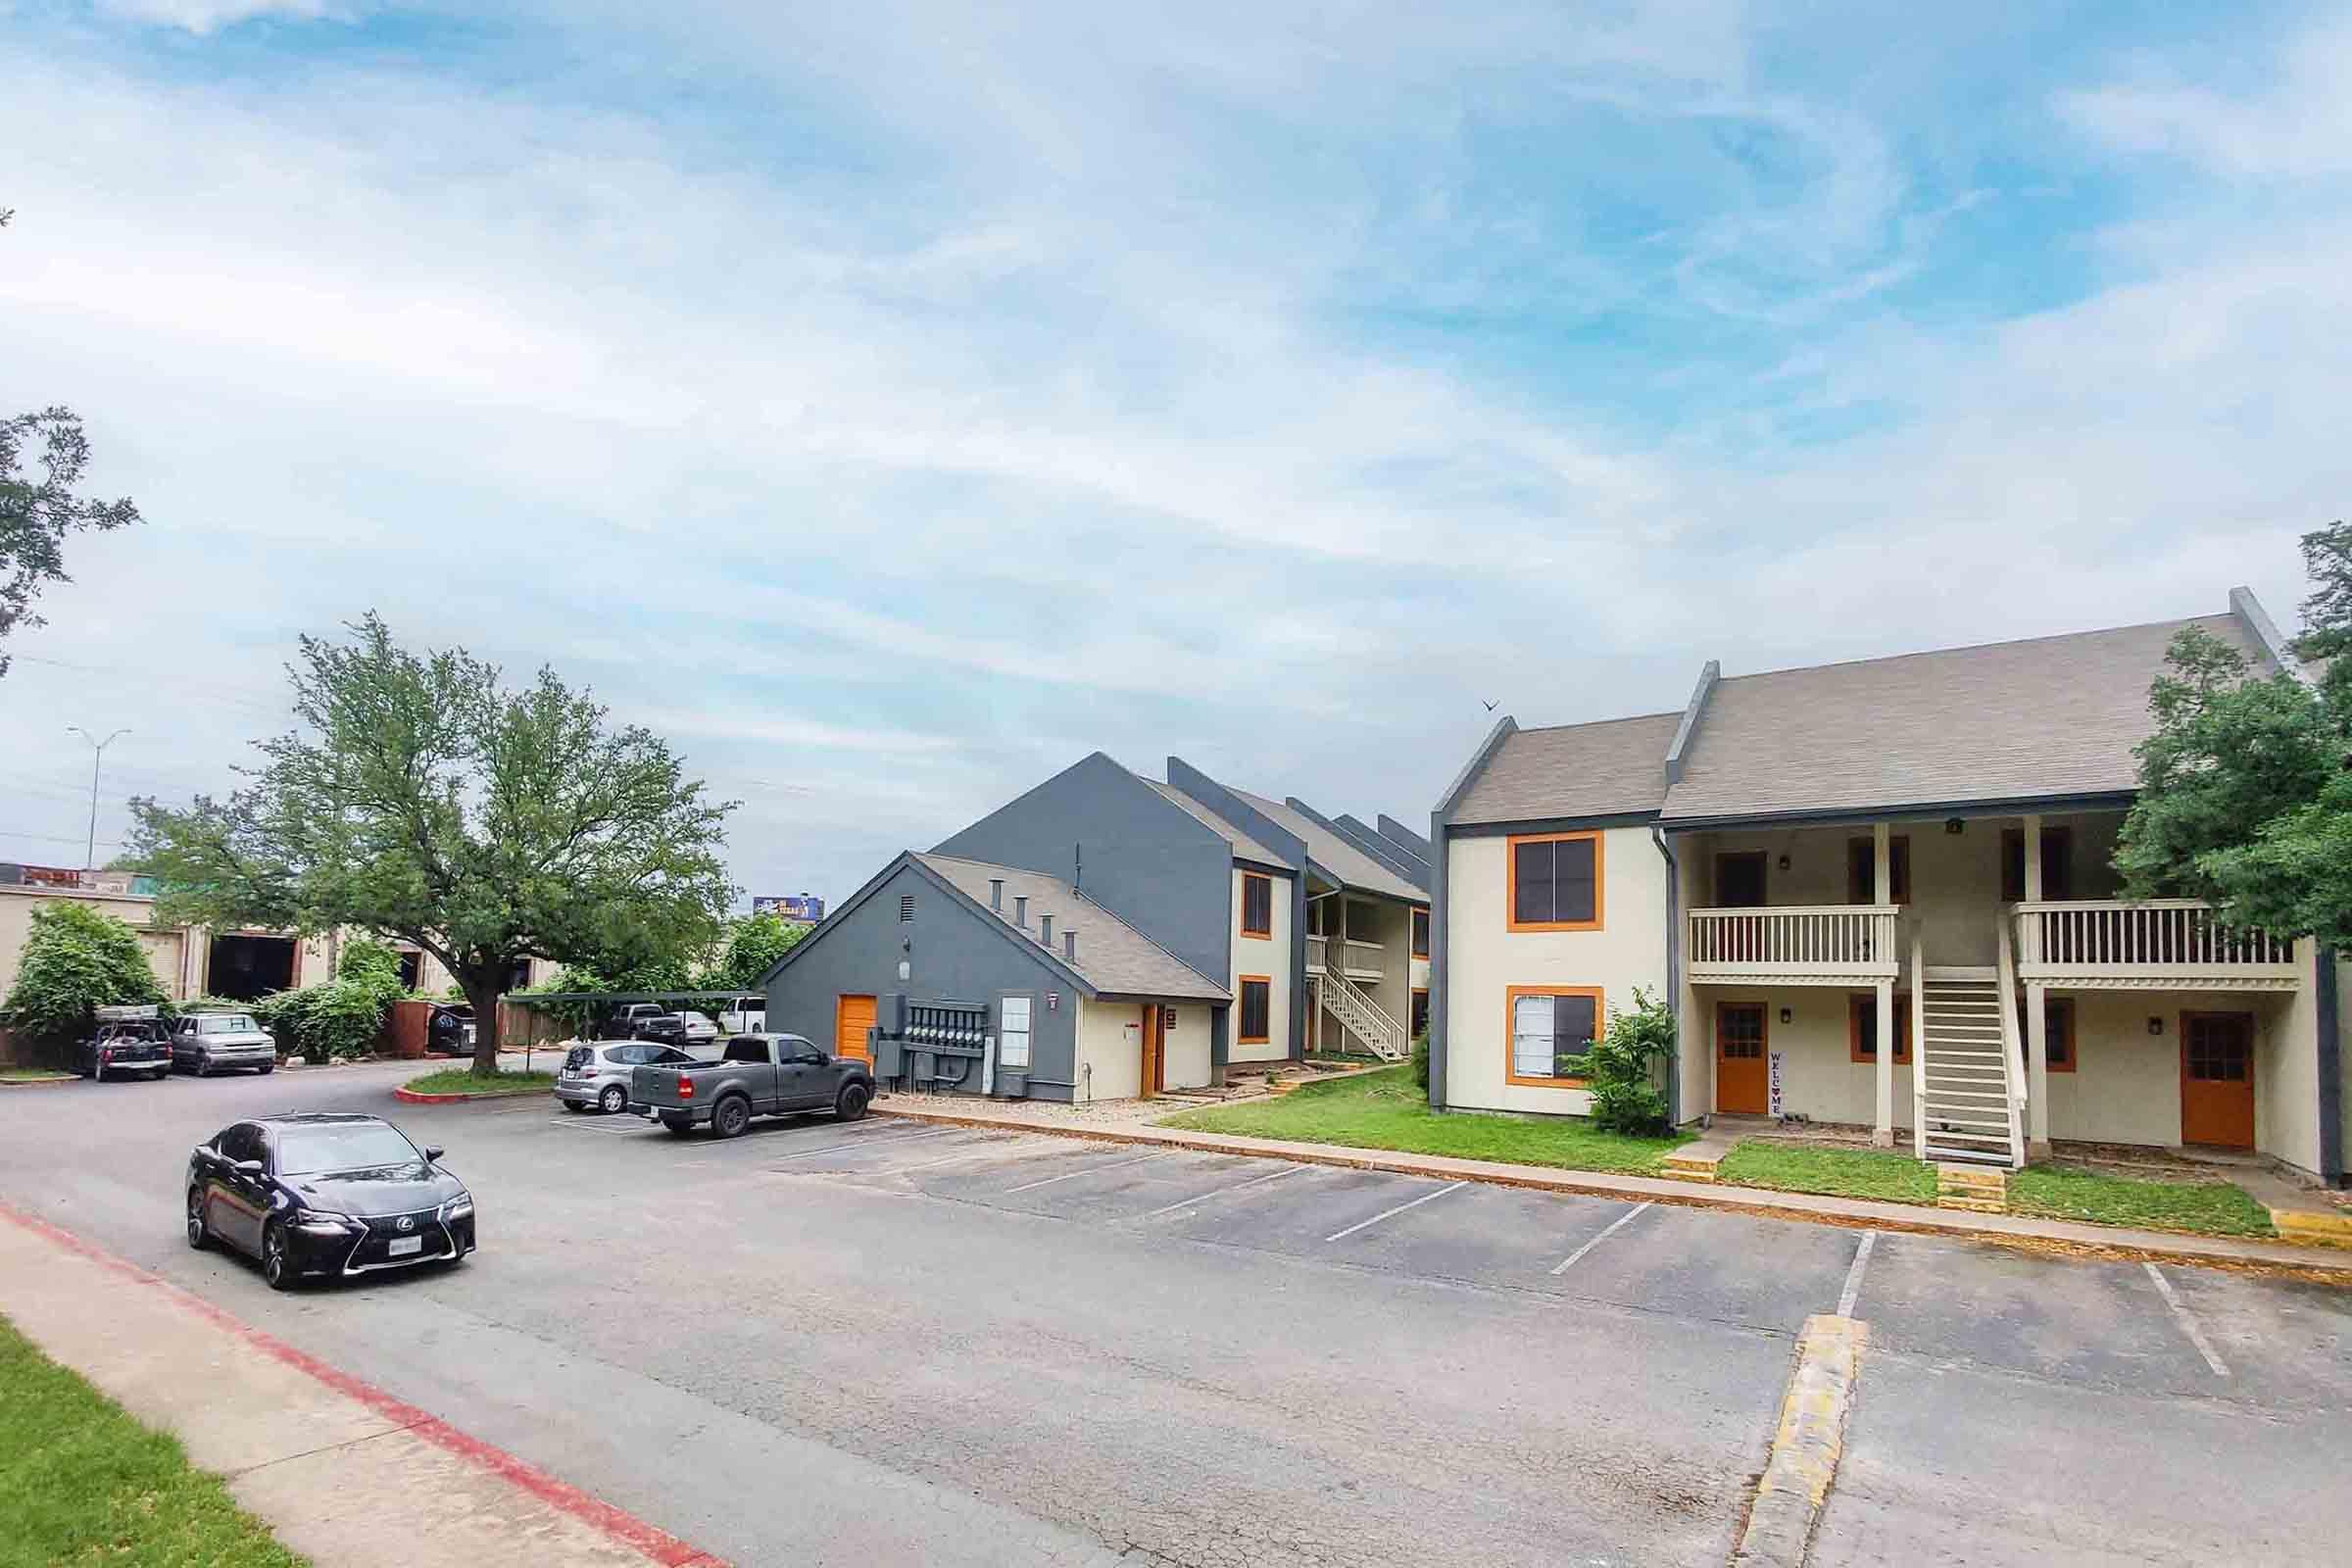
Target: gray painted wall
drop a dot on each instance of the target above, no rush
(1282, 842)
(960, 954)
(1147, 860)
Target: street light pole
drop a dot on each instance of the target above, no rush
(89, 854)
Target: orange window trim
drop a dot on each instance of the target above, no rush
(1240, 981)
(1855, 1006)
(2062, 1013)
(1510, 893)
(1510, 1011)
(1266, 935)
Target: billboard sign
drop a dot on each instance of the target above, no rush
(791, 905)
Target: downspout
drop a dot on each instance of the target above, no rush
(1673, 972)
(2332, 1071)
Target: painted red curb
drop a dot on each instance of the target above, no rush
(618, 1523)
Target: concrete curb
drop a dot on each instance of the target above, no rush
(405, 1093)
(2321, 1264)
(40, 1083)
(621, 1528)
(1806, 1445)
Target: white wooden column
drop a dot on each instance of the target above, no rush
(1882, 1120)
(2037, 1073)
(2038, 1026)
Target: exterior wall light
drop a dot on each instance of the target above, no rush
(1788, 1015)
(1954, 825)
(2155, 1023)
(1784, 862)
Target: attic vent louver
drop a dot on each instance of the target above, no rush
(996, 892)
(906, 908)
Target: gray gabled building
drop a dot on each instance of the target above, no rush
(1215, 929)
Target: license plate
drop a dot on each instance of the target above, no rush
(405, 1246)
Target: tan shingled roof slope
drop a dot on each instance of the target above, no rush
(1334, 853)
(1114, 957)
(1572, 770)
(2021, 720)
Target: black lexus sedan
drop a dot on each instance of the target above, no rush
(325, 1195)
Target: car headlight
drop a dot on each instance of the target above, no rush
(323, 1221)
(458, 1208)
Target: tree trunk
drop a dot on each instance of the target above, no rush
(482, 990)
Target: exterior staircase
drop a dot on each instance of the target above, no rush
(1360, 1015)
(1968, 1086)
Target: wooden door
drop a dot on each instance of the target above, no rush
(853, 1016)
(1155, 1051)
(2217, 1079)
(1741, 1087)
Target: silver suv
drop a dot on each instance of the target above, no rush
(206, 1043)
(599, 1075)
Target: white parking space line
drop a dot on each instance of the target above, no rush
(993, 1146)
(1273, 1176)
(2187, 1320)
(1853, 1276)
(1073, 1175)
(1366, 1224)
(851, 1142)
(1616, 1225)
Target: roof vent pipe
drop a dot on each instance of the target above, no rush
(1045, 924)
(996, 892)
(1020, 910)
(1069, 945)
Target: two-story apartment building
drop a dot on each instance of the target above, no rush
(1146, 933)
(1876, 893)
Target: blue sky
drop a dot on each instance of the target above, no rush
(893, 403)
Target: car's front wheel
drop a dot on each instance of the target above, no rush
(199, 1233)
(269, 1066)
(277, 1267)
(851, 1104)
(613, 1101)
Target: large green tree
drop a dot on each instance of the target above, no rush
(2246, 784)
(420, 797)
(38, 506)
(753, 944)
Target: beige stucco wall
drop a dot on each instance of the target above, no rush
(2286, 1074)
(1268, 955)
(1111, 1043)
(1819, 1078)
(163, 945)
(1484, 959)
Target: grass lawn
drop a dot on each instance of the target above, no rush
(81, 1482)
(1839, 1173)
(1384, 1110)
(31, 1075)
(465, 1081)
(2209, 1209)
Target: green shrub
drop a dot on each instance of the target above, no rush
(1622, 1067)
(76, 959)
(1421, 1060)
(343, 1018)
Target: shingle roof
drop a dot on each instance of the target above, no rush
(2050, 716)
(1342, 859)
(1611, 768)
(1113, 957)
(1243, 846)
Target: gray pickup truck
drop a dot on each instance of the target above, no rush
(759, 1075)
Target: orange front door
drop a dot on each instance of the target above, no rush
(2217, 1079)
(1742, 1088)
(853, 1016)
(1155, 1051)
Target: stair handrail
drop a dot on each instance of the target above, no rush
(2012, 1046)
(1919, 1045)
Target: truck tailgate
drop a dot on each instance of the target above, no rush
(659, 1087)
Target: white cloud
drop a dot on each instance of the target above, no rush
(203, 16)
(2296, 123)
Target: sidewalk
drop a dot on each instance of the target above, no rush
(2333, 1264)
(339, 1471)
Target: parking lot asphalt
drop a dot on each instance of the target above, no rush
(892, 1342)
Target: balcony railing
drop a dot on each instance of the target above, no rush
(1315, 963)
(1795, 941)
(1365, 960)
(2163, 941)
